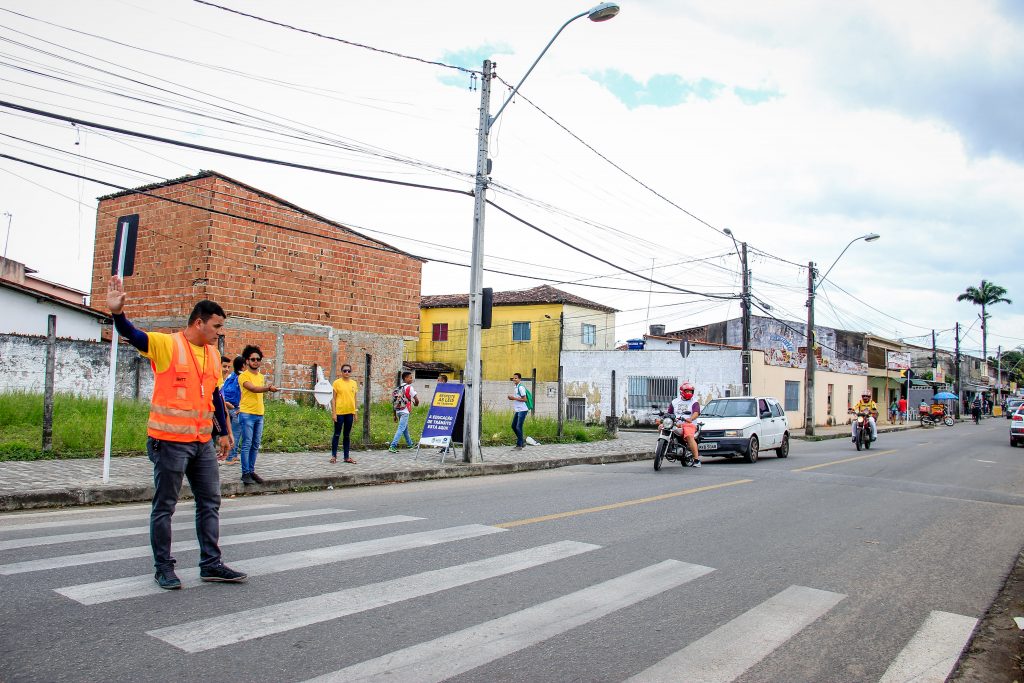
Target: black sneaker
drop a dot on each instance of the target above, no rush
(256, 478)
(247, 479)
(167, 579)
(221, 573)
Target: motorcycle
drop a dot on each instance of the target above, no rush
(671, 444)
(933, 419)
(863, 438)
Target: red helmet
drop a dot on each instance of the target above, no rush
(686, 389)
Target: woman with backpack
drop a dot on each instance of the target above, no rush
(520, 407)
(401, 397)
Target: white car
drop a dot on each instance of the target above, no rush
(743, 425)
(1017, 426)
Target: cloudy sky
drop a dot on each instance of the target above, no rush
(798, 125)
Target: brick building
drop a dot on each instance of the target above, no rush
(304, 288)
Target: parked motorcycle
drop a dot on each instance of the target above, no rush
(671, 444)
(933, 419)
(863, 438)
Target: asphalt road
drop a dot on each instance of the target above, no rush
(830, 565)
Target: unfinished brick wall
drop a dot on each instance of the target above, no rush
(302, 270)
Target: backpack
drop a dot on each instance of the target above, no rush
(529, 398)
(398, 398)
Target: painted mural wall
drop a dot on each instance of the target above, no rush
(785, 346)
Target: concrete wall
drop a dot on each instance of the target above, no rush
(588, 375)
(81, 367)
(770, 380)
(25, 314)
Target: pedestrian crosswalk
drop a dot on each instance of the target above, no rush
(725, 653)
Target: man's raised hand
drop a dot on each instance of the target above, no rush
(115, 295)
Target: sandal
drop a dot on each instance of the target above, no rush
(334, 460)
(350, 461)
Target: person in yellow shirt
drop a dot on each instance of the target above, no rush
(250, 417)
(865, 404)
(343, 411)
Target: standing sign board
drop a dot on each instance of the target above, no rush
(444, 417)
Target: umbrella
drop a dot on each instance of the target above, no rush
(946, 396)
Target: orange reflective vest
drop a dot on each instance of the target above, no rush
(182, 405)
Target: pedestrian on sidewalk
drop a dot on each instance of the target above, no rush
(903, 410)
(343, 412)
(519, 409)
(894, 408)
(232, 394)
(401, 397)
(185, 410)
(254, 385)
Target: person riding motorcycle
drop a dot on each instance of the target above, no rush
(687, 408)
(865, 405)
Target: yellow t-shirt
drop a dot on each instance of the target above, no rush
(252, 402)
(345, 396)
(161, 350)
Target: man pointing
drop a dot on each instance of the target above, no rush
(185, 408)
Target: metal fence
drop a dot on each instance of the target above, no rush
(643, 391)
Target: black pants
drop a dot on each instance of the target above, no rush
(171, 462)
(342, 424)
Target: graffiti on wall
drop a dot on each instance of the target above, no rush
(786, 346)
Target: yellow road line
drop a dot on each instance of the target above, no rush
(615, 506)
(839, 462)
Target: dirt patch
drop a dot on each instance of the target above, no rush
(996, 651)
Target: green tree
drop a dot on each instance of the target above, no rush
(984, 296)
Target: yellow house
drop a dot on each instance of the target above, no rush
(529, 330)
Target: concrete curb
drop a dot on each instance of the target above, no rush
(110, 494)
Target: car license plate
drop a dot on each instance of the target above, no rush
(707, 446)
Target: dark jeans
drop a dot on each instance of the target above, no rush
(518, 418)
(198, 462)
(344, 422)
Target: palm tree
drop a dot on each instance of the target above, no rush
(984, 296)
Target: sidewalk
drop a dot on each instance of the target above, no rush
(53, 483)
(840, 431)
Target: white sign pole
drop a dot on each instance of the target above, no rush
(113, 365)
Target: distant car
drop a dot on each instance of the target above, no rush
(1011, 406)
(744, 426)
(1017, 426)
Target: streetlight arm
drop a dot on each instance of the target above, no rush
(492, 119)
(870, 237)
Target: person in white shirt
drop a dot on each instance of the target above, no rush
(519, 410)
(687, 409)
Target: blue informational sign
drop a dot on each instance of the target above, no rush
(444, 417)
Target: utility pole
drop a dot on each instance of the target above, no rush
(811, 360)
(960, 398)
(746, 323)
(472, 375)
(999, 376)
(935, 357)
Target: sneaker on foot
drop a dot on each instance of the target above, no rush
(256, 478)
(392, 449)
(167, 579)
(696, 463)
(247, 479)
(411, 447)
(221, 573)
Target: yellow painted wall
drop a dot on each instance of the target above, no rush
(501, 356)
(770, 380)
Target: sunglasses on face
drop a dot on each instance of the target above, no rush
(254, 359)
(346, 371)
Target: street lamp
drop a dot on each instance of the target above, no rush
(473, 375)
(745, 309)
(812, 362)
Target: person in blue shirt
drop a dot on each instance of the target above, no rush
(232, 394)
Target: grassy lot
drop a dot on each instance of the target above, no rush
(78, 427)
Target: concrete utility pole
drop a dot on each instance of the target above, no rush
(960, 397)
(812, 362)
(935, 357)
(473, 373)
(746, 322)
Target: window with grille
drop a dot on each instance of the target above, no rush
(589, 334)
(440, 332)
(792, 395)
(521, 331)
(643, 391)
(576, 410)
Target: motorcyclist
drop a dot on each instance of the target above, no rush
(865, 405)
(687, 408)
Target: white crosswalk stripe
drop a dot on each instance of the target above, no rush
(209, 634)
(135, 531)
(456, 653)
(235, 539)
(932, 653)
(724, 654)
(121, 517)
(135, 586)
